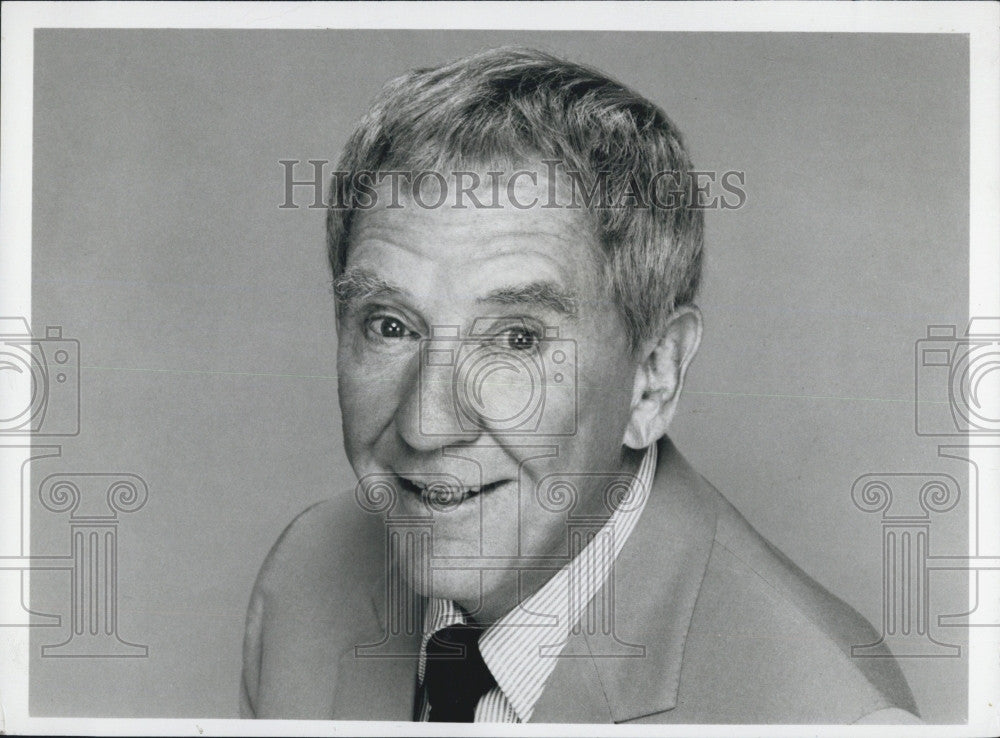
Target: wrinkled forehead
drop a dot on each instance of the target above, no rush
(467, 213)
(468, 227)
(476, 207)
(519, 195)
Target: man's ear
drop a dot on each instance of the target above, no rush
(659, 377)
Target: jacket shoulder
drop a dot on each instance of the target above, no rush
(331, 545)
(311, 596)
(784, 640)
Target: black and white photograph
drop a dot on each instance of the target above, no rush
(555, 366)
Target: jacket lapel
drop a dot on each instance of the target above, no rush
(574, 692)
(634, 670)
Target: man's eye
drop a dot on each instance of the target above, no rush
(391, 328)
(388, 327)
(519, 339)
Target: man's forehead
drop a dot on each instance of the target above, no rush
(468, 264)
(513, 205)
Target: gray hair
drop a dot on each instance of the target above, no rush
(507, 105)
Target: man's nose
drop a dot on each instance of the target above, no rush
(427, 417)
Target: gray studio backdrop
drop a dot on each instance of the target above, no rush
(207, 339)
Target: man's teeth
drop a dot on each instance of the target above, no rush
(444, 489)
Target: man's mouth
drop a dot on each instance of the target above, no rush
(445, 494)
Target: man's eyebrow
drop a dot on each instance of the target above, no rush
(548, 295)
(360, 284)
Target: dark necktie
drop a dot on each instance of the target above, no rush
(455, 676)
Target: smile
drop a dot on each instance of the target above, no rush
(441, 494)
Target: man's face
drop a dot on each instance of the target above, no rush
(451, 373)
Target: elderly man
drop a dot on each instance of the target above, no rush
(516, 247)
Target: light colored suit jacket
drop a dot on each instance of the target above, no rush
(728, 630)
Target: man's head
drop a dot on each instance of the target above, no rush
(522, 309)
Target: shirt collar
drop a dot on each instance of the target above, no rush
(521, 649)
(440, 614)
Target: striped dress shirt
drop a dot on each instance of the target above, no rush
(521, 649)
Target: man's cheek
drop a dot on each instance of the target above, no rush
(604, 390)
(369, 393)
(363, 404)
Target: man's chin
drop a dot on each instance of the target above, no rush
(464, 586)
(455, 574)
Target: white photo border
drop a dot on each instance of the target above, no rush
(980, 21)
